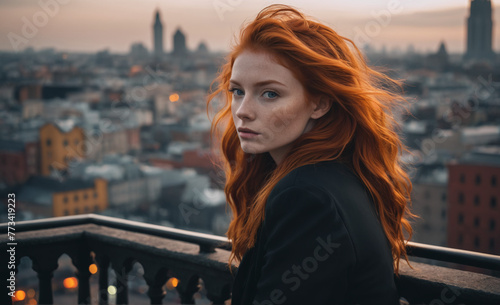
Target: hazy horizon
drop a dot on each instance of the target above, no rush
(92, 25)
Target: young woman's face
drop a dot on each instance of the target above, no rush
(269, 105)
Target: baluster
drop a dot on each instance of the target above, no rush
(103, 264)
(188, 286)
(82, 263)
(155, 279)
(44, 264)
(121, 271)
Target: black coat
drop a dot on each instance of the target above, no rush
(321, 242)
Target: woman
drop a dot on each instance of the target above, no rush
(310, 154)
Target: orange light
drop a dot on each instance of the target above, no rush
(135, 69)
(174, 97)
(70, 282)
(31, 293)
(175, 282)
(93, 268)
(32, 302)
(172, 283)
(20, 295)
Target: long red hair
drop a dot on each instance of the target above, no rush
(359, 129)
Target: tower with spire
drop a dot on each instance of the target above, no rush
(480, 31)
(158, 35)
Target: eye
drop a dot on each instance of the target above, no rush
(236, 91)
(271, 94)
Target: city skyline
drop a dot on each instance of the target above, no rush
(92, 26)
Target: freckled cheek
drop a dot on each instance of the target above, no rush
(284, 118)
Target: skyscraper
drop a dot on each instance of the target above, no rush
(480, 31)
(158, 35)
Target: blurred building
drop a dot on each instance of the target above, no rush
(59, 144)
(32, 109)
(130, 184)
(440, 60)
(138, 51)
(28, 91)
(180, 48)
(113, 139)
(480, 31)
(50, 197)
(158, 35)
(18, 161)
(429, 202)
(184, 154)
(474, 194)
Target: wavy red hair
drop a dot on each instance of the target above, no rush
(359, 129)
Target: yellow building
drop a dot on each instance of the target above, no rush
(50, 197)
(58, 145)
(81, 200)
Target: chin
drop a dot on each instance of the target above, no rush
(250, 150)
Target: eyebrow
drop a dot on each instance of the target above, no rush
(261, 83)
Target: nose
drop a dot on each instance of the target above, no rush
(245, 110)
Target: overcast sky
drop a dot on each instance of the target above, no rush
(92, 25)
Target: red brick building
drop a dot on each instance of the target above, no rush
(194, 158)
(473, 205)
(18, 161)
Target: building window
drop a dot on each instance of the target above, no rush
(86, 209)
(494, 181)
(77, 211)
(460, 239)
(461, 198)
(443, 214)
(66, 213)
(476, 200)
(443, 197)
(96, 208)
(48, 142)
(462, 178)
(460, 218)
(476, 242)
(76, 197)
(493, 202)
(476, 222)
(65, 199)
(478, 179)
(492, 225)
(65, 143)
(492, 244)
(85, 196)
(95, 194)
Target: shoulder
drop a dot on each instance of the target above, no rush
(330, 188)
(328, 179)
(317, 187)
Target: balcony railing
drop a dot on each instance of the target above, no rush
(189, 256)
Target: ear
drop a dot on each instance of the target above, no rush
(321, 106)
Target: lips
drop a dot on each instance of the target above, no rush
(247, 132)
